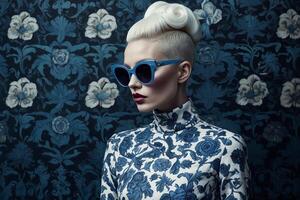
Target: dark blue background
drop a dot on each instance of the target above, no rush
(54, 148)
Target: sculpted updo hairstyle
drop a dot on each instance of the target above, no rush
(173, 25)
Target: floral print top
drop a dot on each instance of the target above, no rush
(177, 156)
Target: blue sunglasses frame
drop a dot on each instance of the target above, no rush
(152, 63)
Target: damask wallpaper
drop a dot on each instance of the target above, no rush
(59, 103)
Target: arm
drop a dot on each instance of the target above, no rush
(234, 171)
(108, 180)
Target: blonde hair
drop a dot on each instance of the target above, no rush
(173, 25)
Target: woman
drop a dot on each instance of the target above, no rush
(178, 155)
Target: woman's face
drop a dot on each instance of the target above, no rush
(162, 93)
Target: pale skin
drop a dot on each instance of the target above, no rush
(168, 89)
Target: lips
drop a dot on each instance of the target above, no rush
(137, 95)
(138, 98)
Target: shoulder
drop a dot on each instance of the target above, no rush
(233, 146)
(228, 138)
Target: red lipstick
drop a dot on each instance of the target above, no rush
(137, 95)
(138, 98)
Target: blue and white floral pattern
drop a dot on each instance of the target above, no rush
(21, 92)
(100, 24)
(53, 149)
(290, 94)
(209, 13)
(102, 93)
(22, 26)
(62, 60)
(153, 163)
(60, 125)
(252, 90)
(60, 56)
(289, 25)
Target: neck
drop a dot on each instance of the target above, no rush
(178, 100)
(184, 116)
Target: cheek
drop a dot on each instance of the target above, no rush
(163, 82)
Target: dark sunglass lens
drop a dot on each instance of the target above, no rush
(143, 73)
(122, 75)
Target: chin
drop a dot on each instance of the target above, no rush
(144, 108)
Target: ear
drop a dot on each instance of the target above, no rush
(184, 72)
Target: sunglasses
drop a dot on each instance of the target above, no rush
(143, 70)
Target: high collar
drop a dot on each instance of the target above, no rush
(183, 116)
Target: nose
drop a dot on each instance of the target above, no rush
(134, 82)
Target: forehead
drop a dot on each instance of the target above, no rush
(142, 49)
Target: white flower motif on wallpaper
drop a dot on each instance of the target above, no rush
(101, 93)
(290, 93)
(252, 90)
(21, 92)
(289, 25)
(209, 13)
(100, 24)
(22, 26)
